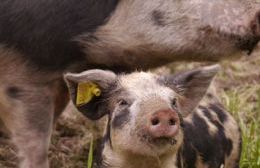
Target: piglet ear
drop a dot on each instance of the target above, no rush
(88, 91)
(191, 86)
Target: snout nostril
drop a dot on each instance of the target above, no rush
(172, 122)
(155, 121)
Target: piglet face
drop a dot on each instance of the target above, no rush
(145, 117)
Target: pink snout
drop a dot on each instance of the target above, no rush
(163, 124)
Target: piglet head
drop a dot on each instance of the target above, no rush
(145, 111)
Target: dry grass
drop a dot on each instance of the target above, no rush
(238, 85)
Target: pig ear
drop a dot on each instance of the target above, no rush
(96, 106)
(191, 86)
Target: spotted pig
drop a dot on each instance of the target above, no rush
(161, 121)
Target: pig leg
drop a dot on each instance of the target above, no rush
(29, 101)
(28, 115)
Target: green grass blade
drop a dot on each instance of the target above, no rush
(90, 154)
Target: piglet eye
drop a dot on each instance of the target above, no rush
(123, 102)
(174, 102)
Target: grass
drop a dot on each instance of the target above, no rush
(248, 121)
(238, 86)
(91, 153)
(242, 99)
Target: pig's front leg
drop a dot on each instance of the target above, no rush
(28, 116)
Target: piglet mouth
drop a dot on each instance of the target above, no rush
(163, 141)
(160, 141)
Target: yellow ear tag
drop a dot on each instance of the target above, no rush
(86, 92)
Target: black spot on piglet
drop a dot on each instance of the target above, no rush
(121, 119)
(158, 18)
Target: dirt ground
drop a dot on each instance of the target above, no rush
(70, 141)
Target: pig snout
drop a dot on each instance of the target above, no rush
(163, 124)
(255, 25)
(249, 42)
(252, 42)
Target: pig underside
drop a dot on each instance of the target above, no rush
(53, 35)
(211, 139)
